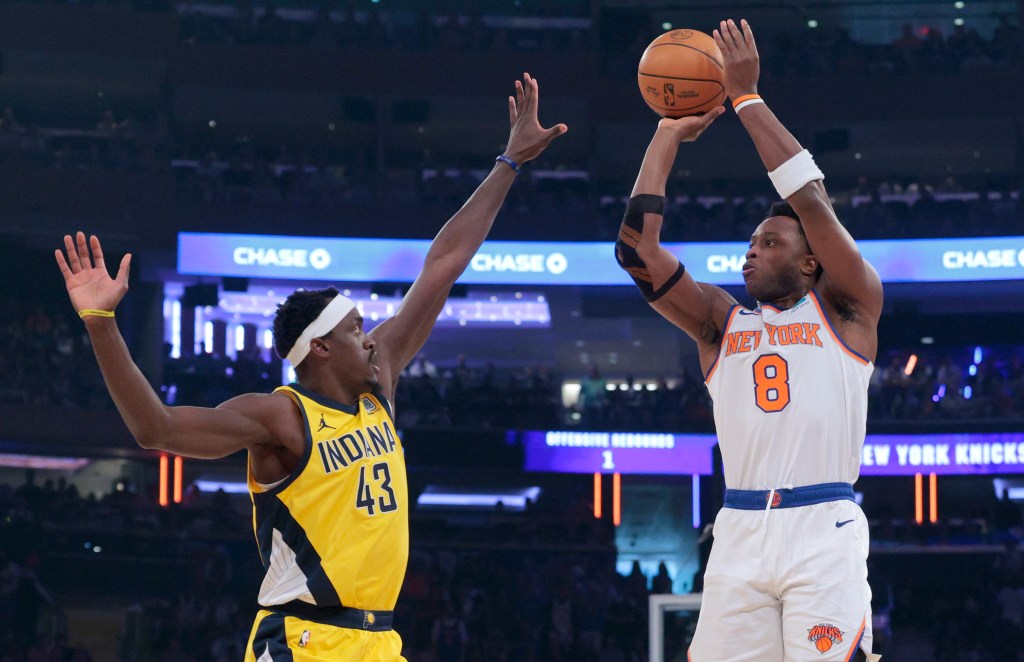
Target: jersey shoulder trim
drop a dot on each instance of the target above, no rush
(300, 466)
(856, 356)
(725, 329)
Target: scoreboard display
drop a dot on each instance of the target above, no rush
(562, 451)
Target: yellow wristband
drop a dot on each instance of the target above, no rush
(87, 312)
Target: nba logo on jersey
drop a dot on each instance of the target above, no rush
(304, 639)
(368, 406)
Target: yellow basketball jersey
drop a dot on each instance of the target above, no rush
(336, 531)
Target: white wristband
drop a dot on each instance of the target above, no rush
(792, 175)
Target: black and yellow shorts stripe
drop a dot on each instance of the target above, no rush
(276, 637)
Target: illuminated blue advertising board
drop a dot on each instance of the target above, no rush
(954, 454)
(658, 453)
(564, 263)
(618, 452)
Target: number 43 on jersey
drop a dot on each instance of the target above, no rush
(375, 493)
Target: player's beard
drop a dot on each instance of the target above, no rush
(771, 287)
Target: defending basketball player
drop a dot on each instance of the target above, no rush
(326, 467)
(787, 577)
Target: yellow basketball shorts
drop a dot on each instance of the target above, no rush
(279, 638)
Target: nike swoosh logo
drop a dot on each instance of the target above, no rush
(842, 524)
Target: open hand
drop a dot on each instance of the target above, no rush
(89, 285)
(739, 53)
(528, 138)
(687, 129)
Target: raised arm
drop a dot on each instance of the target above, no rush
(201, 432)
(849, 283)
(400, 338)
(699, 309)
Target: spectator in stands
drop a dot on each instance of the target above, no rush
(1007, 519)
(662, 582)
(593, 398)
(561, 626)
(422, 367)
(448, 636)
(908, 46)
(1006, 42)
(107, 125)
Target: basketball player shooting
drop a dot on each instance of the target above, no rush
(787, 576)
(326, 469)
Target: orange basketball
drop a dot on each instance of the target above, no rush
(823, 644)
(681, 74)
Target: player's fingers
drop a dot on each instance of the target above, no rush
(69, 246)
(83, 251)
(554, 132)
(62, 264)
(122, 272)
(97, 252)
(530, 92)
(735, 33)
(511, 110)
(707, 118)
(719, 36)
(727, 37)
(520, 96)
(721, 42)
(748, 34)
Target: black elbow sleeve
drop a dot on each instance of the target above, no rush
(629, 238)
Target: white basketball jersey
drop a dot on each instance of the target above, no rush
(790, 398)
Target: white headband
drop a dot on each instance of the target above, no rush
(328, 318)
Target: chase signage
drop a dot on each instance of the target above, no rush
(318, 258)
(564, 263)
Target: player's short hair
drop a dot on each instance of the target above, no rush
(783, 208)
(296, 313)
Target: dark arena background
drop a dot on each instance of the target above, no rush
(563, 469)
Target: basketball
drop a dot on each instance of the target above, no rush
(823, 644)
(681, 74)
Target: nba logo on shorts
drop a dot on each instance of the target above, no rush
(368, 406)
(304, 639)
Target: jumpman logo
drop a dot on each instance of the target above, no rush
(323, 424)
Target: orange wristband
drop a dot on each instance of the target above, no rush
(746, 100)
(746, 97)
